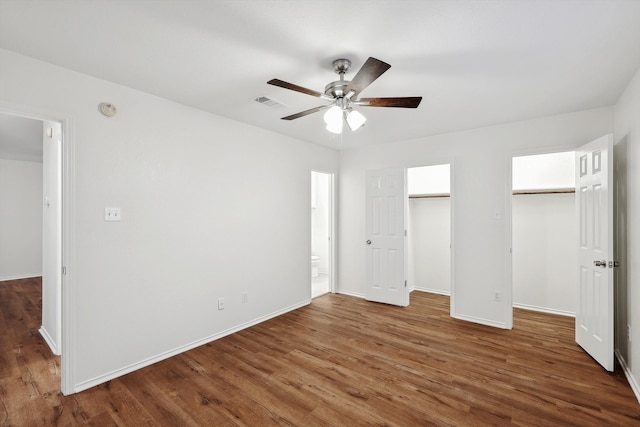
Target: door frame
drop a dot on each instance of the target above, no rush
(52, 259)
(409, 225)
(332, 227)
(67, 248)
(436, 162)
(509, 217)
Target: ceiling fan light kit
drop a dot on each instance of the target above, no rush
(343, 95)
(355, 119)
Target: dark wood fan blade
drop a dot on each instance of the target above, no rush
(406, 102)
(306, 112)
(291, 86)
(370, 71)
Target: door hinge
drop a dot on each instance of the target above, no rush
(405, 233)
(405, 283)
(64, 270)
(614, 264)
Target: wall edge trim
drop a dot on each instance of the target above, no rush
(350, 293)
(20, 277)
(481, 321)
(50, 342)
(627, 372)
(544, 310)
(432, 291)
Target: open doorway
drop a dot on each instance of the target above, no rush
(429, 229)
(31, 218)
(21, 184)
(321, 233)
(544, 233)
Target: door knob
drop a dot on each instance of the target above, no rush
(602, 263)
(368, 242)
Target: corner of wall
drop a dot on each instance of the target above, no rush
(627, 182)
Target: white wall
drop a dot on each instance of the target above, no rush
(480, 160)
(20, 219)
(210, 208)
(434, 179)
(545, 253)
(544, 171)
(627, 276)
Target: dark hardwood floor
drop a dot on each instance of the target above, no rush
(340, 361)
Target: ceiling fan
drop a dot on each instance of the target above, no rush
(343, 95)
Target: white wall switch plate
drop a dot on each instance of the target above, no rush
(112, 214)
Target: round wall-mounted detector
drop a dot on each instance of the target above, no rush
(107, 109)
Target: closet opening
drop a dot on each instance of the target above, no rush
(429, 229)
(544, 233)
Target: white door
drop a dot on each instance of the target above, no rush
(594, 201)
(52, 236)
(386, 198)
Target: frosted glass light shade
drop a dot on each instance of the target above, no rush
(335, 127)
(333, 119)
(355, 120)
(333, 115)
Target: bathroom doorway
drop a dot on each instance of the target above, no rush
(429, 229)
(322, 242)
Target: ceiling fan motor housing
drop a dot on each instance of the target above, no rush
(337, 89)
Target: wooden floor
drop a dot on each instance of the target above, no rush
(340, 361)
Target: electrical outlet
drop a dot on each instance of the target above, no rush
(245, 297)
(112, 214)
(496, 296)
(220, 303)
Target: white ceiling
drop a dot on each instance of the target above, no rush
(476, 63)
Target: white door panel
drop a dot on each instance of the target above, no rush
(51, 236)
(385, 230)
(594, 197)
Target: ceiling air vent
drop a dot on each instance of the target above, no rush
(269, 102)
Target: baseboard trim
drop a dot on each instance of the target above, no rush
(363, 296)
(84, 385)
(20, 277)
(433, 291)
(350, 293)
(544, 310)
(50, 342)
(480, 320)
(627, 372)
